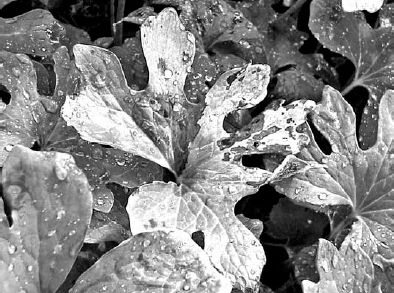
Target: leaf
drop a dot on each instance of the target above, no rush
(35, 32)
(350, 268)
(370, 50)
(214, 178)
(154, 114)
(349, 175)
(356, 5)
(160, 261)
(103, 165)
(19, 118)
(31, 117)
(50, 205)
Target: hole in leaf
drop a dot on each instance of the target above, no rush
(253, 161)
(358, 98)
(36, 146)
(321, 141)
(371, 18)
(5, 95)
(259, 204)
(199, 238)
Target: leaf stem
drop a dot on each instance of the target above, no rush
(119, 25)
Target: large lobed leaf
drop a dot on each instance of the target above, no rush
(50, 206)
(127, 119)
(370, 50)
(160, 261)
(351, 176)
(214, 178)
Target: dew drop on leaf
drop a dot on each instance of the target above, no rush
(167, 73)
(8, 147)
(11, 249)
(322, 196)
(60, 172)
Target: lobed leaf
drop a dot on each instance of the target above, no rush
(351, 176)
(124, 118)
(50, 206)
(370, 50)
(350, 268)
(214, 180)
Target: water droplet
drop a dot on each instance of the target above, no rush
(8, 147)
(11, 249)
(71, 233)
(186, 287)
(60, 171)
(167, 73)
(10, 267)
(334, 261)
(146, 243)
(51, 233)
(60, 214)
(30, 268)
(58, 248)
(322, 196)
(3, 106)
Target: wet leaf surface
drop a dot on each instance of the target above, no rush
(36, 32)
(370, 50)
(160, 261)
(351, 176)
(50, 205)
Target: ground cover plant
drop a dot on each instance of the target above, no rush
(197, 146)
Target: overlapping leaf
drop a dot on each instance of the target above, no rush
(160, 261)
(351, 176)
(348, 270)
(50, 206)
(36, 32)
(30, 117)
(370, 50)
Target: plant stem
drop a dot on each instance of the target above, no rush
(119, 26)
(112, 16)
